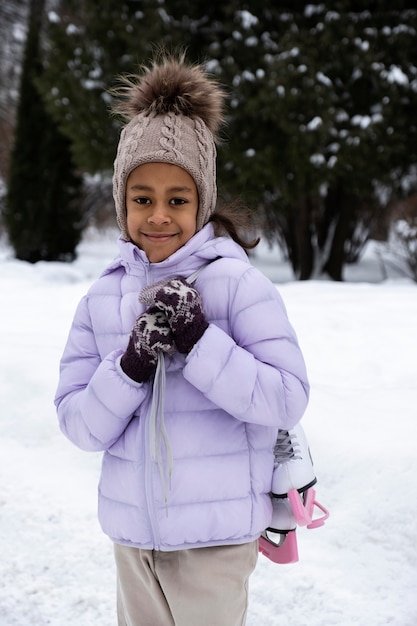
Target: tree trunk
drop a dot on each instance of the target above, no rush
(302, 245)
(334, 264)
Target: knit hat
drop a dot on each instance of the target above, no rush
(173, 111)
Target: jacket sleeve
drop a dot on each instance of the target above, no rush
(256, 372)
(95, 400)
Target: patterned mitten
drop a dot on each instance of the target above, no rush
(150, 334)
(182, 307)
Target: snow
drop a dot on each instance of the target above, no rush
(315, 123)
(247, 19)
(395, 75)
(360, 344)
(361, 120)
(325, 80)
(317, 159)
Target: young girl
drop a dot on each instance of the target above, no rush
(180, 365)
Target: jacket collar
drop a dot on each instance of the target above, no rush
(201, 249)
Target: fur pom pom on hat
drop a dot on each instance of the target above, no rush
(173, 112)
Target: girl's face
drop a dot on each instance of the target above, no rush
(162, 205)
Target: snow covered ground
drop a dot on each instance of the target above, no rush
(360, 344)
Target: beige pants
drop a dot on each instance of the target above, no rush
(199, 587)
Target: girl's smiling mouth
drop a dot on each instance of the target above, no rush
(159, 238)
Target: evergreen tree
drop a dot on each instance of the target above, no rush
(321, 114)
(90, 45)
(42, 213)
(322, 117)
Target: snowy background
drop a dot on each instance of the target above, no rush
(360, 343)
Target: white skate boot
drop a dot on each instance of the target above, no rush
(293, 497)
(293, 467)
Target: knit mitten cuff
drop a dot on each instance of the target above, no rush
(137, 368)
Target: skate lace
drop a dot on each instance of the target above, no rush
(286, 447)
(157, 430)
(158, 436)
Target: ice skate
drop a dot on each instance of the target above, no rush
(293, 467)
(279, 542)
(294, 476)
(293, 497)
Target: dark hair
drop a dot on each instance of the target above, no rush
(235, 220)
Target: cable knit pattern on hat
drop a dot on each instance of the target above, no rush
(174, 111)
(171, 135)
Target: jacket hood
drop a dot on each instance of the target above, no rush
(201, 249)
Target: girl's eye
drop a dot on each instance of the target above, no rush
(141, 200)
(177, 201)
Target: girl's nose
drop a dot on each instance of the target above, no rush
(159, 215)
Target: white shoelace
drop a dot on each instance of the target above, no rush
(286, 447)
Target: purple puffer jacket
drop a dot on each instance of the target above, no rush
(223, 402)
